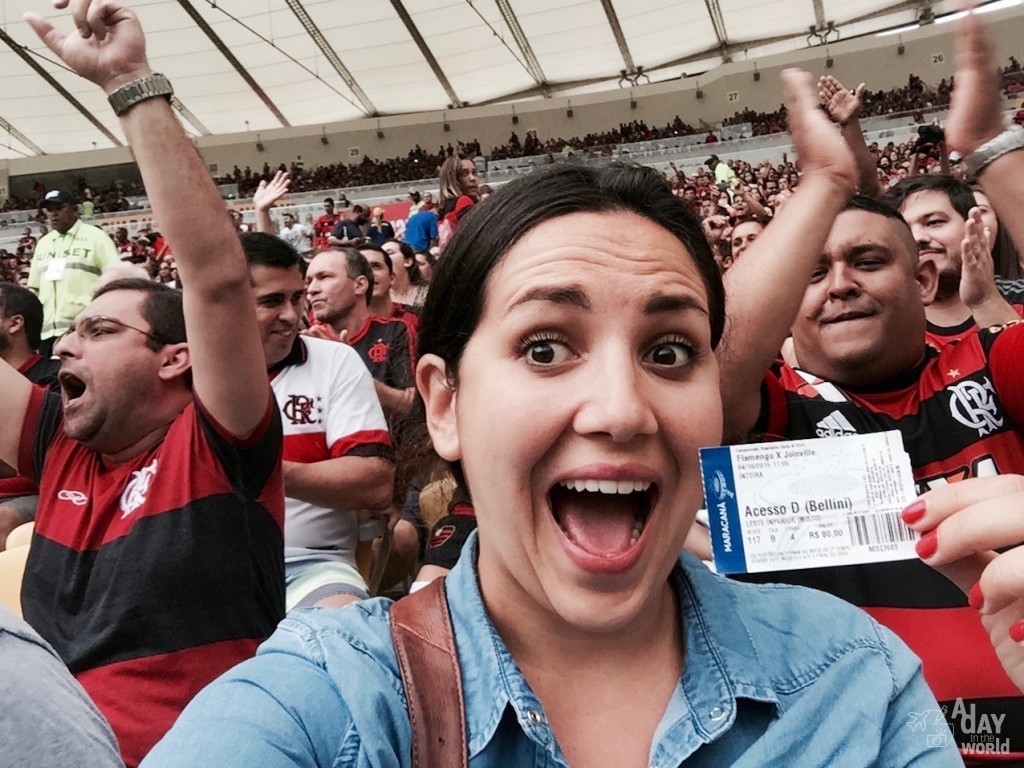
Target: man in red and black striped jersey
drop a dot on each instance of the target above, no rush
(156, 562)
(339, 286)
(859, 335)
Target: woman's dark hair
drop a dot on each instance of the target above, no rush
(490, 229)
(409, 258)
(455, 301)
(1005, 257)
(415, 273)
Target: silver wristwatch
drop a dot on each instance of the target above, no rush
(149, 87)
(1010, 139)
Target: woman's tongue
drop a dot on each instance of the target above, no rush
(599, 523)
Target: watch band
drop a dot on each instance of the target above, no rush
(1010, 139)
(143, 89)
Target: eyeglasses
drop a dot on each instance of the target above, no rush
(97, 326)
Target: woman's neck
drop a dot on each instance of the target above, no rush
(544, 645)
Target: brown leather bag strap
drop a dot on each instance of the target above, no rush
(421, 630)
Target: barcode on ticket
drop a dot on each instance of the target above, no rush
(878, 528)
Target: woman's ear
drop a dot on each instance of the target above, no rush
(439, 398)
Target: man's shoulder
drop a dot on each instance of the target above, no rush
(321, 352)
(394, 327)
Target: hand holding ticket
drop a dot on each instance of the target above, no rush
(808, 503)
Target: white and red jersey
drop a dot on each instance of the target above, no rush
(329, 409)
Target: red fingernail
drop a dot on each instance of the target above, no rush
(914, 512)
(1017, 632)
(927, 545)
(975, 599)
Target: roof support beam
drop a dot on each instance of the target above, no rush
(819, 14)
(27, 57)
(332, 57)
(21, 137)
(718, 22)
(620, 39)
(414, 33)
(531, 64)
(185, 112)
(234, 62)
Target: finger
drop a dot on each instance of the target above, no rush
(53, 39)
(98, 17)
(989, 525)
(1002, 581)
(79, 10)
(967, 571)
(940, 503)
(859, 91)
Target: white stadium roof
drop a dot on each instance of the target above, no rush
(242, 65)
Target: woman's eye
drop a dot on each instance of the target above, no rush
(669, 355)
(547, 352)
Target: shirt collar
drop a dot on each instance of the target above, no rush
(296, 356)
(72, 230)
(27, 365)
(721, 662)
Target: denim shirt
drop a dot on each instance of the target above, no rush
(773, 675)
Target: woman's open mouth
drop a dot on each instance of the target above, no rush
(604, 520)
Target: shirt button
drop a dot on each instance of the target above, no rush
(717, 713)
(535, 717)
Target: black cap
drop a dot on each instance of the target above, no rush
(57, 197)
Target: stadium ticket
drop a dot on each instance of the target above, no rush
(808, 503)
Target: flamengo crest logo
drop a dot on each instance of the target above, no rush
(135, 492)
(974, 406)
(299, 409)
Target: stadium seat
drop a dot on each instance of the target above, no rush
(20, 536)
(12, 568)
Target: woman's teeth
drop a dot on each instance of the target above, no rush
(606, 486)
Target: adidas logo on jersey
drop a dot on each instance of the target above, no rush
(835, 425)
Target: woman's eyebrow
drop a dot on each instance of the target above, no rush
(572, 296)
(673, 303)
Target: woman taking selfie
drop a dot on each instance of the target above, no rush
(568, 374)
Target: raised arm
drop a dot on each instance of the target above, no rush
(782, 257)
(975, 118)
(843, 106)
(228, 369)
(267, 194)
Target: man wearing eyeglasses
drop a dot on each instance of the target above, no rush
(157, 558)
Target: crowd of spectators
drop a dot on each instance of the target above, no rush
(419, 163)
